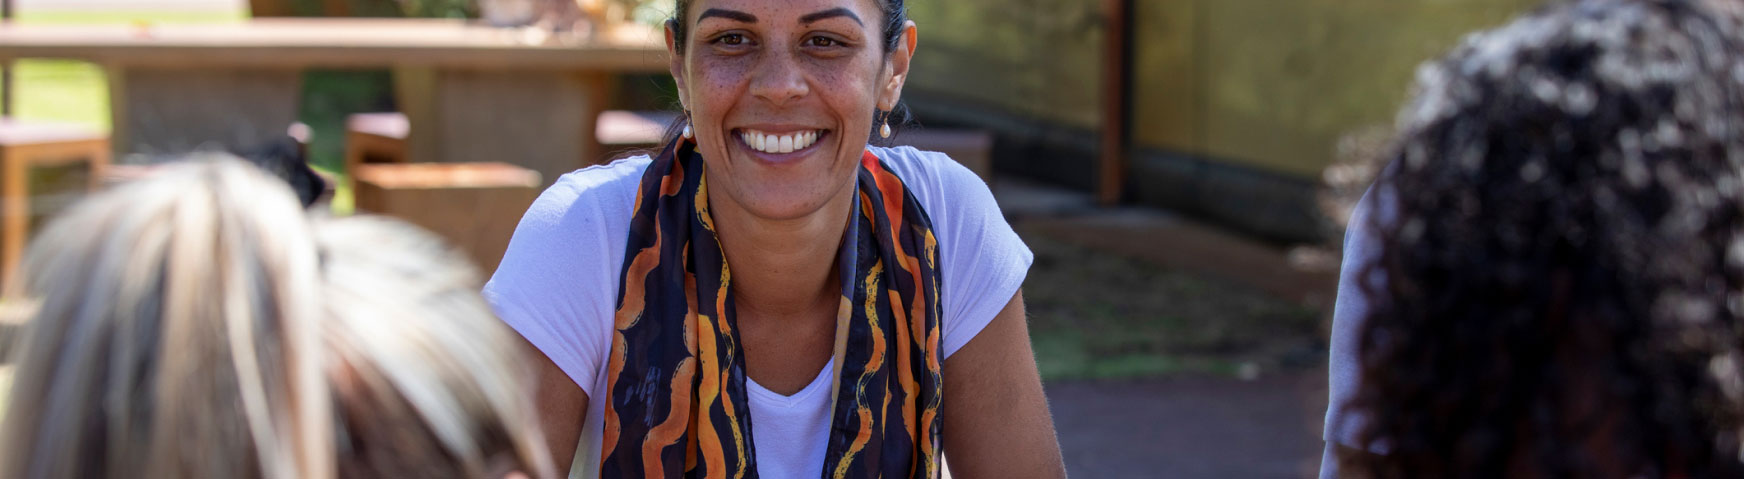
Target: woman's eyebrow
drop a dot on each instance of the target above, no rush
(831, 13)
(727, 14)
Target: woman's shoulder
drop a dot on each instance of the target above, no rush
(575, 229)
(560, 269)
(592, 198)
(933, 177)
(592, 187)
(982, 260)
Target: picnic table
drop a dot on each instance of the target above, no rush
(471, 92)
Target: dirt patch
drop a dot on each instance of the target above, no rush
(1100, 314)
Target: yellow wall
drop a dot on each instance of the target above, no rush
(1273, 84)
(1268, 84)
(1033, 58)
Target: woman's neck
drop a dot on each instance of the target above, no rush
(783, 268)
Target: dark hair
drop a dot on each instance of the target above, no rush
(895, 18)
(1561, 267)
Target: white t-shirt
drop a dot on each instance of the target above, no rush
(1362, 246)
(558, 286)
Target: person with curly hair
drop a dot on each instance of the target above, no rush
(1547, 280)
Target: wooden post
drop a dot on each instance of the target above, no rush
(1116, 100)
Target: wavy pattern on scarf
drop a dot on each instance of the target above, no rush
(675, 401)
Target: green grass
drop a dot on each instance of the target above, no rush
(328, 97)
(62, 91)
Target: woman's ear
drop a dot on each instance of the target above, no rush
(900, 59)
(675, 63)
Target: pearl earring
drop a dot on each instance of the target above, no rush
(688, 135)
(884, 130)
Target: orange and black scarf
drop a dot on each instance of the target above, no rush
(676, 404)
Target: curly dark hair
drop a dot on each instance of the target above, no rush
(1561, 268)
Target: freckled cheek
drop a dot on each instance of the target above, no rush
(717, 83)
(846, 88)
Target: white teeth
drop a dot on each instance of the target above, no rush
(780, 144)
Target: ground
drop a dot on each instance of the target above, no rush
(1191, 426)
(1170, 348)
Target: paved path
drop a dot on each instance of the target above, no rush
(1191, 427)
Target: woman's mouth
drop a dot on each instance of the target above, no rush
(782, 143)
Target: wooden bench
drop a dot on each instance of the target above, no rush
(381, 137)
(474, 205)
(35, 153)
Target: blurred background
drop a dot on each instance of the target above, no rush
(1182, 168)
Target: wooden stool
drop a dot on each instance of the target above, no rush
(474, 205)
(25, 146)
(374, 138)
(972, 148)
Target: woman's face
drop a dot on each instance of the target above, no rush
(782, 95)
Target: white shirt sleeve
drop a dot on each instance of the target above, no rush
(1361, 247)
(557, 283)
(982, 260)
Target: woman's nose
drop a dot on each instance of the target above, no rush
(779, 79)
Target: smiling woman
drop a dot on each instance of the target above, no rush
(770, 296)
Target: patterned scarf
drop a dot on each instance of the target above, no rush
(676, 403)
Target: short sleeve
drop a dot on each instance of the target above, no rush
(982, 260)
(1361, 247)
(557, 282)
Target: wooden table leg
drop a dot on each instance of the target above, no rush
(100, 159)
(14, 213)
(175, 111)
(415, 96)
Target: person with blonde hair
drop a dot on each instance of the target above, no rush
(198, 324)
(427, 381)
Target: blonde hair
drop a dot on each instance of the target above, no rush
(198, 324)
(427, 382)
(170, 335)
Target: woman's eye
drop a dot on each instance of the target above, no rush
(823, 42)
(731, 39)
